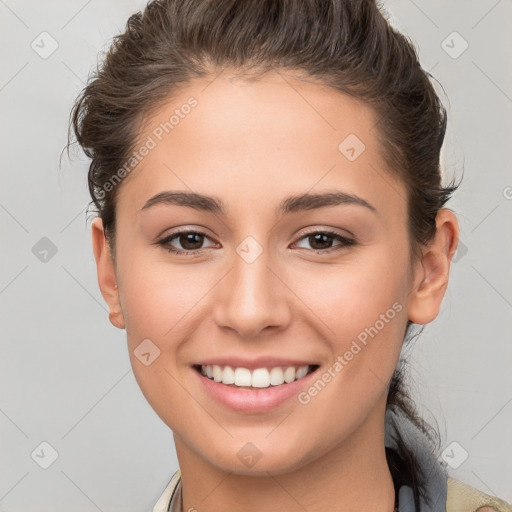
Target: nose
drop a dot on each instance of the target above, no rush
(253, 298)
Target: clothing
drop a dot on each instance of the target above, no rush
(443, 493)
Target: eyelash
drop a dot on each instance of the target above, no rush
(345, 242)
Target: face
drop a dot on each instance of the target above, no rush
(260, 280)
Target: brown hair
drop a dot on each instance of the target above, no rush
(345, 44)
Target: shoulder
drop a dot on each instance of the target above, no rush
(464, 498)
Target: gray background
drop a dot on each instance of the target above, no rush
(65, 377)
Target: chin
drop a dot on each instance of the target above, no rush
(258, 458)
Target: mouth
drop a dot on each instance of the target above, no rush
(258, 378)
(256, 390)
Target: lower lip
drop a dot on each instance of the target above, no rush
(256, 399)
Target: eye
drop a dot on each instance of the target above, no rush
(321, 241)
(190, 241)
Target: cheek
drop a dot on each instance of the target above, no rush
(352, 295)
(157, 297)
(364, 311)
(161, 306)
(360, 308)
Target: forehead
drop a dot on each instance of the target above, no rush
(260, 139)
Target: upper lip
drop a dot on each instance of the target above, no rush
(252, 364)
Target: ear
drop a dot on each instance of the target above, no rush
(432, 271)
(106, 273)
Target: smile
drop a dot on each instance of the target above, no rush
(253, 387)
(257, 378)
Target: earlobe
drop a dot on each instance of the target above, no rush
(106, 273)
(432, 272)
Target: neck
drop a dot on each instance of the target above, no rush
(352, 476)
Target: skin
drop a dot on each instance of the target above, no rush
(251, 144)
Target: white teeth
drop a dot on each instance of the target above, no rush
(276, 376)
(258, 378)
(301, 372)
(289, 374)
(228, 375)
(217, 373)
(242, 377)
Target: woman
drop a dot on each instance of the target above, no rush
(271, 226)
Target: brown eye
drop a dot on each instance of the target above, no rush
(322, 241)
(189, 242)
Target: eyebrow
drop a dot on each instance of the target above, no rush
(291, 204)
